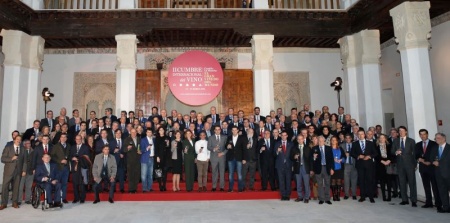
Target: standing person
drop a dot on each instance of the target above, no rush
(79, 156)
(314, 141)
(202, 161)
(236, 156)
(426, 169)
(441, 154)
(302, 168)
(338, 176)
(60, 155)
(163, 156)
(13, 157)
(267, 158)
(350, 172)
(284, 165)
(132, 148)
(189, 160)
(176, 149)
(26, 180)
(250, 165)
(364, 151)
(147, 160)
(216, 147)
(404, 149)
(383, 163)
(323, 167)
(104, 170)
(115, 145)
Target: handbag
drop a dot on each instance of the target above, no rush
(158, 173)
(391, 169)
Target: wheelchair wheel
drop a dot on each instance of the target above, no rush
(35, 197)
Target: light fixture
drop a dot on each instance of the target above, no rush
(46, 96)
(337, 84)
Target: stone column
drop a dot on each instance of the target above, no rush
(21, 88)
(126, 73)
(262, 56)
(127, 4)
(360, 55)
(412, 29)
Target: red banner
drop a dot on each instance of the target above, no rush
(195, 78)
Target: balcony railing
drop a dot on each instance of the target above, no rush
(114, 4)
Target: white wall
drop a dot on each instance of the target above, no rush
(323, 66)
(2, 58)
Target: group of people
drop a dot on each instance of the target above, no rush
(320, 152)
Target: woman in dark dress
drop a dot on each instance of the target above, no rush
(163, 156)
(189, 159)
(338, 176)
(177, 160)
(384, 161)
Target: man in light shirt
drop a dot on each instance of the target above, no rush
(203, 155)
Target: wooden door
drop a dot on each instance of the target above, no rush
(148, 90)
(237, 91)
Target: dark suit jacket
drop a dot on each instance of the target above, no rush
(217, 119)
(290, 132)
(408, 157)
(426, 156)
(306, 157)
(28, 161)
(13, 167)
(281, 156)
(44, 122)
(317, 164)
(38, 153)
(41, 172)
(99, 145)
(252, 153)
(268, 155)
(370, 150)
(28, 133)
(113, 119)
(81, 155)
(444, 162)
(261, 118)
(237, 151)
(58, 154)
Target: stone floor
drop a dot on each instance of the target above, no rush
(226, 211)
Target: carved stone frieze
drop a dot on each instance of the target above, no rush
(291, 89)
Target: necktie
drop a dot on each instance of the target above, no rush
(295, 132)
(17, 150)
(78, 148)
(363, 147)
(261, 133)
(257, 118)
(77, 128)
(217, 138)
(267, 144)
(118, 143)
(301, 153)
(47, 166)
(441, 150)
(214, 119)
(349, 158)
(105, 160)
(424, 147)
(322, 151)
(45, 149)
(402, 145)
(225, 131)
(284, 147)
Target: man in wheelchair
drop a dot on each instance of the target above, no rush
(48, 177)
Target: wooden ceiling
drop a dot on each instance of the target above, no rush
(194, 27)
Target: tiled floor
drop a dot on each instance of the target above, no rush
(273, 211)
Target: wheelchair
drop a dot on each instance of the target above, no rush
(37, 192)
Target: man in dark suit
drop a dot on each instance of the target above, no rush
(251, 161)
(39, 151)
(350, 172)
(282, 150)
(115, 145)
(426, 169)
(267, 160)
(258, 117)
(154, 114)
(27, 180)
(131, 117)
(47, 175)
(60, 156)
(230, 116)
(79, 161)
(141, 117)
(294, 131)
(92, 117)
(323, 168)
(364, 152)
(33, 132)
(404, 149)
(236, 156)
(108, 114)
(130, 147)
(302, 168)
(13, 158)
(102, 141)
(75, 115)
(48, 121)
(441, 154)
(216, 146)
(224, 129)
(235, 123)
(214, 116)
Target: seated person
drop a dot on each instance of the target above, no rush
(48, 177)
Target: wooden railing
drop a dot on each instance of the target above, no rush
(193, 3)
(81, 4)
(304, 4)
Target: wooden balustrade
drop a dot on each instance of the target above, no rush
(304, 4)
(152, 3)
(81, 4)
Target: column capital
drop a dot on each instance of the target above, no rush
(371, 47)
(348, 51)
(360, 48)
(412, 25)
(21, 49)
(262, 51)
(126, 51)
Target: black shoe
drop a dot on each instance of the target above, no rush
(306, 201)
(65, 201)
(427, 206)
(282, 199)
(345, 197)
(229, 191)
(57, 204)
(240, 191)
(222, 190)
(414, 204)
(82, 202)
(328, 202)
(440, 210)
(394, 196)
(320, 202)
(372, 200)
(51, 206)
(111, 200)
(27, 202)
(362, 200)
(19, 203)
(96, 201)
(213, 190)
(75, 201)
(404, 203)
(151, 190)
(388, 199)
(298, 199)
(354, 198)
(122, 191)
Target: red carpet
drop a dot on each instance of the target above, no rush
(183, 195)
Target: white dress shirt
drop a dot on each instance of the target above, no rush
(205, 154)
